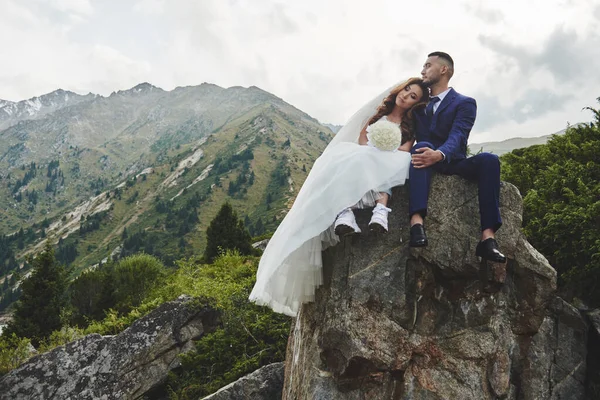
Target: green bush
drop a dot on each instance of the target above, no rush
(133, 279)
(114, 322)
(58, 338)
(121, 287)
(13, 352)
(250, 338)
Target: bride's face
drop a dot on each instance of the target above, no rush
(409, 96)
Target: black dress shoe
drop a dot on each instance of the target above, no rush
(418, 238)
(488, 250)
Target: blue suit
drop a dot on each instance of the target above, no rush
(448, 130)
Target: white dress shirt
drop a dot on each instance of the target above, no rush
(441, 97)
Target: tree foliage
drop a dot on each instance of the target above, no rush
(226, 232)
(38, 311)
(560, 183)
(121, 286)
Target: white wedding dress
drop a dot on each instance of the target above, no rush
(290, 269)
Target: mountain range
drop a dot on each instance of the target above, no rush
(145, 169)
(508, 145)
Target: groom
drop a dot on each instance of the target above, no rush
(442, 130)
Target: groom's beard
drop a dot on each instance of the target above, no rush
(431, 82)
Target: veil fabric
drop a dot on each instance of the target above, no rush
(351, 130)
(345, 175)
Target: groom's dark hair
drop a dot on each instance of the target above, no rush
(446, 57)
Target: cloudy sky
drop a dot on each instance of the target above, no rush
(532, 65)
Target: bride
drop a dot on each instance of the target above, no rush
(351, 173)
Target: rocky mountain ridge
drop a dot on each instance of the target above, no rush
(13, 112)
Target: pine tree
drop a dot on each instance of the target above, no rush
(37, 314)
(182, 243)
(259, 227)
(226, 232)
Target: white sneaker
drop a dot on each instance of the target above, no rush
(345, 223)
(379, 220)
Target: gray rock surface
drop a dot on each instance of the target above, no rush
(261, 244)
(124, 366)
(265, 383)
(593, 357)
(391, 322)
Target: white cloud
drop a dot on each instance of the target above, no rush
(81, 7)
(325, 57)
(489, 15)
(150, 7)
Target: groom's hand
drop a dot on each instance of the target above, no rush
(426, 157)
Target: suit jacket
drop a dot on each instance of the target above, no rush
(448, 129)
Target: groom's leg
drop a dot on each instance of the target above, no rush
(418, 181)
(483, 168)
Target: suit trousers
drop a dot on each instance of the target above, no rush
(483, 168)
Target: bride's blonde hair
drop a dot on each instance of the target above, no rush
(387, 105)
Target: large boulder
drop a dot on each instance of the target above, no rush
(391, 322)
(125, 366)
(265, 383)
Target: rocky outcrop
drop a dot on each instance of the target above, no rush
(265, 383)
(124, 366)
(554, 363)
(593, 356)
(391, 322)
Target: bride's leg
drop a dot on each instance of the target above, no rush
(383, 198)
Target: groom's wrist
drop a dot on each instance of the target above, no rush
(442, 156)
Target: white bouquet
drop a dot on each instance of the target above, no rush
(384, 135)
